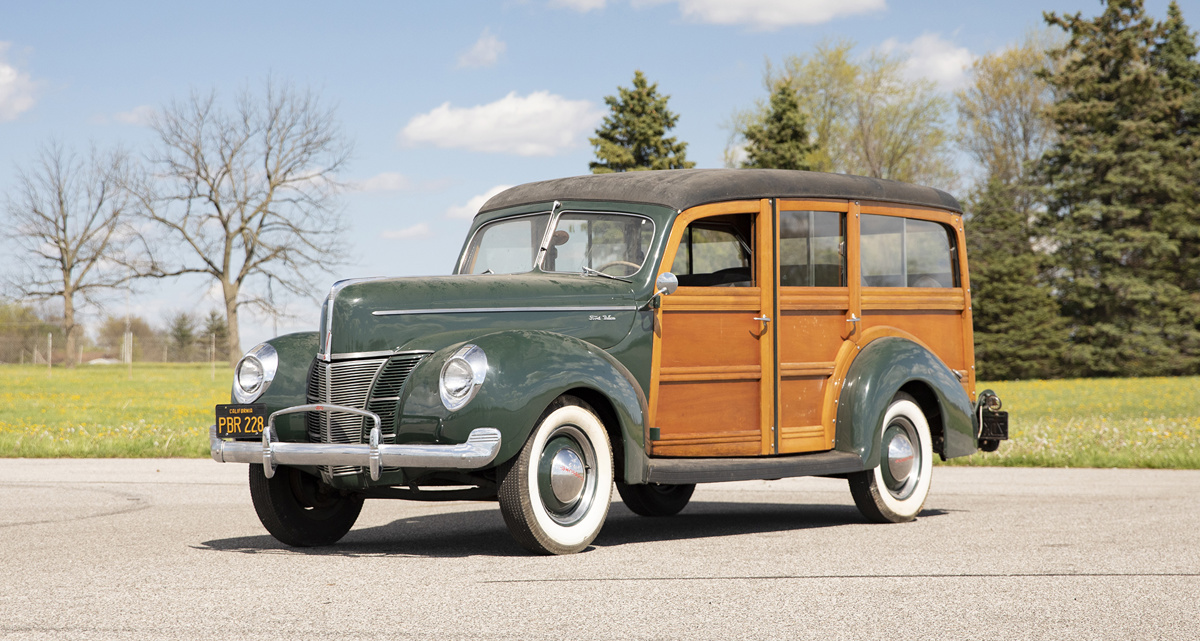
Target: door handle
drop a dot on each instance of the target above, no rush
(765, 319)
(853, 319)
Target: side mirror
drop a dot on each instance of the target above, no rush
(667, 283)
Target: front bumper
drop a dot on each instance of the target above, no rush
(480, 449)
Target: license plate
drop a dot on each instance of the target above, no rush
(234, 421)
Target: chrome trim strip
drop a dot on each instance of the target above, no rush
(488, 310)
(345, 356)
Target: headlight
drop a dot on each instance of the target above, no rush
(254, 373)
(461, 377)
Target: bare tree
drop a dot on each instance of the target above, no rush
(865, 116)
(1002, 120)
(248, 195)
(69, 217)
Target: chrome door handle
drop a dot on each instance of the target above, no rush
(765, 319)
(854, 319)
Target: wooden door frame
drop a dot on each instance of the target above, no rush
(764, 283)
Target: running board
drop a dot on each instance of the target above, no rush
(678, 471)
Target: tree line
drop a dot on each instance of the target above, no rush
(1083, 218)
(27, 336)
(1082, 207)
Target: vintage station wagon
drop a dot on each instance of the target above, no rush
(648, 330)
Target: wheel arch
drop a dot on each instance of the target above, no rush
(889, 365)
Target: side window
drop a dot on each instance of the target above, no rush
(903, 252)
(716, 252)
(812, 249)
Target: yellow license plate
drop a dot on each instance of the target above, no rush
(234, 421)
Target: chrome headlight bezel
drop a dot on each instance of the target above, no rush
(461, 377)
(266, 359)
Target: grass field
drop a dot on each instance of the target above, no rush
(165, 410)
(1113, 422)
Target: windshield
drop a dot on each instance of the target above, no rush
(508, 246)
(615, 244)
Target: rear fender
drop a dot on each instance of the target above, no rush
(881, 369)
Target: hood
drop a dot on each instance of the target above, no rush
(428, 313)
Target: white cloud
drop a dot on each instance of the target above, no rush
(769, 15)
(485, 52)
(386, 181)
(18, 91)
(469, 210)
(420, 230)
(140, 115)
(578, 5)
(931, 57)
(540, 124)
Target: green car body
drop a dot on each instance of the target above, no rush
(586, 338)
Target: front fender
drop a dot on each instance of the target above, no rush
(881, 369)
(527, 370)
(289, 387)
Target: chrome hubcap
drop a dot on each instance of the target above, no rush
(567, 476)
(900, 457)
(902, 467)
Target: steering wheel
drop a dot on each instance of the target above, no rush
(622, 263)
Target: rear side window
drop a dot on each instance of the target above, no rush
(905, 252)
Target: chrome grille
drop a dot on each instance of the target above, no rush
(371, 384)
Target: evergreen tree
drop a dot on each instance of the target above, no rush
(779, 139)
(215, 331)
(182, 334)
(1176, 57)
(633, 136)
(1018, 331)
(1114, 177)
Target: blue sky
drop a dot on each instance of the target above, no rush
(445, 101)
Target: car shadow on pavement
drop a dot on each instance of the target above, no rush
(481, 532)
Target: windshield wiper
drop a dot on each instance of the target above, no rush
(588, 271)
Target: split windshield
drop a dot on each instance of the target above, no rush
(615, 244)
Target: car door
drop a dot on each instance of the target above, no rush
(713, 381)
(816, 319)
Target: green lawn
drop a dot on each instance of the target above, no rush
(101, 411)
(165, 410)
(1113, 422)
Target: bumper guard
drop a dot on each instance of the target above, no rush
(480, 449)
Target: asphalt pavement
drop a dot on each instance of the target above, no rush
(172, 549)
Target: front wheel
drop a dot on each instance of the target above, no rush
(300, 510)
(555, 494)
(895, 490)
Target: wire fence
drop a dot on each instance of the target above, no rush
(50, 348)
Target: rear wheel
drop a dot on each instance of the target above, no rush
(300, 510)
(654, 499)
(896, 489)
(555, 493)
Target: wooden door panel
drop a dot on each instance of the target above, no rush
(709, 418)
(810, 335)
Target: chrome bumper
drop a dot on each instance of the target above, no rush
(480, 449)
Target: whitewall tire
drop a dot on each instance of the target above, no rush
(556, 492)
(896, 489)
